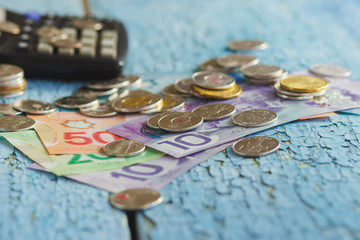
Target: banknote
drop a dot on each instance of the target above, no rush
(343, 94)
(154, 174)
(74, 133)
(29, 143)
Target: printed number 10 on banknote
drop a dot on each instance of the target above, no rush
(73, 133)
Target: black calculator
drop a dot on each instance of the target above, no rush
(99, 55)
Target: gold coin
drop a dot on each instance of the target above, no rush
(87, 23)
(304, 84)
(231, 92)
(10, 27)
(136, 101)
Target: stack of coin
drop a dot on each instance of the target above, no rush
(231, 63)
(12, 81)
(105, 87)
(301, 87)
(263, 74)
(214, 85)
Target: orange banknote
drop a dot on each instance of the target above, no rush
(73, 133)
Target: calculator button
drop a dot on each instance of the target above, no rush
(34, 16)
(71, 32)
(107, 42)
(49, 22)
(87, 23)
(25, 37)
(27, 28)
(108, 52)
(67, 43)
(87, 51)
(23, 47)
(66, 51)
(45, 48)
(109, 34)
(88, 41)
(89, 33)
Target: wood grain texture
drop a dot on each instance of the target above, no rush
(307, 190)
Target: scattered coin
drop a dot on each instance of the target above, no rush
(330, 70)
(119, 94)
(153, 121)
(256, 146)
(297, 94)
(231, 92)
(307, 84)
(184, 85)
(66, 43)
(76, 101)
(124, 148)
(213, 80)
(212, 66)
(7, 109)
(10, 27)
(136, 199)
(34, 106)
(244, 45)
(261, 71)
(180, 121)
(171, 90)
(119, 82)
(168, 103)
(102, 110)
(214, 111)
(237, 61)
(16, 123)
(87, 23)
(85, 91)
(136, 101)
(135, 81)
(254, 118)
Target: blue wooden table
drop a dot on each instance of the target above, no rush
(309, 189)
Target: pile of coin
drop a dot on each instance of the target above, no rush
(301, 87)
(12, 81)
(231, 63)
(263, 74)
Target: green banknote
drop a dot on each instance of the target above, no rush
(29, 143)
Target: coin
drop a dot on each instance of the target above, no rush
(10, 95)
(153, 121)
(256, 146)
(169, 103)
(84, 91)
(16, 123)
(330, 70)
(213, 80)
(34, 106)
(262, 71)
(136, 101)
(10, 72)
(213, 66)
(119, 82)
(77, 101)
(180, 121)
(290, 97)
(102, 110)
(247, 45)
(124, 148)
(135, 81)
(237, 60)
(136, 199)
(10, 27)
(12, 83)
(184, 85)
(119, 94)
(254, 118)
(66, 43)
(8, 110)
(87, 23)
(170, 90)
(214, 111)
(297, 94)
(308, 84)
(232, 92)
(50, 33)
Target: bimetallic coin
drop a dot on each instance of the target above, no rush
(87, 23)
(124, 148)
(51, 33)
(212, 66)
(245, 45)
(10, 27)
(7, 109)
(180, 121)
(256, 146)
(136, 199)
(184, 85)
(170, 90)
(118, 82)
(34, 106)
(260, 71)
(16, 123)
(153, 121)
(102, 110)
(330, 70)
(254, 118)
(66, 43)
(231, 92)
(136, 101)
(307, 84)
(84, 91)
(214, 111)
(237, 61)
(213, 80)
(297, 94)
(77, 101)
(10, 72)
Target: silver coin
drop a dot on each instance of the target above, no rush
(171, 90)
(184, 85)
(135, 81)
(330, 70)
(123, 148)
(212, 66)
(256, 146)
(289, 97)
(77, 101)
(136, 199)
(136, 101)
(119, 82)
(12, 83)
(34, 106)
(260, 71)
(215, 111)
(7, 109)
(281, 91)
(237, 61)
(10, 72)
(168, 103)
(119, 94)
(153, 121)
(85, 91)
(180, 121)
(16, 123)
(245, 45)
(265, 81)
(254, 118)
(10, 95)
(102, 110)
(213, 80)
